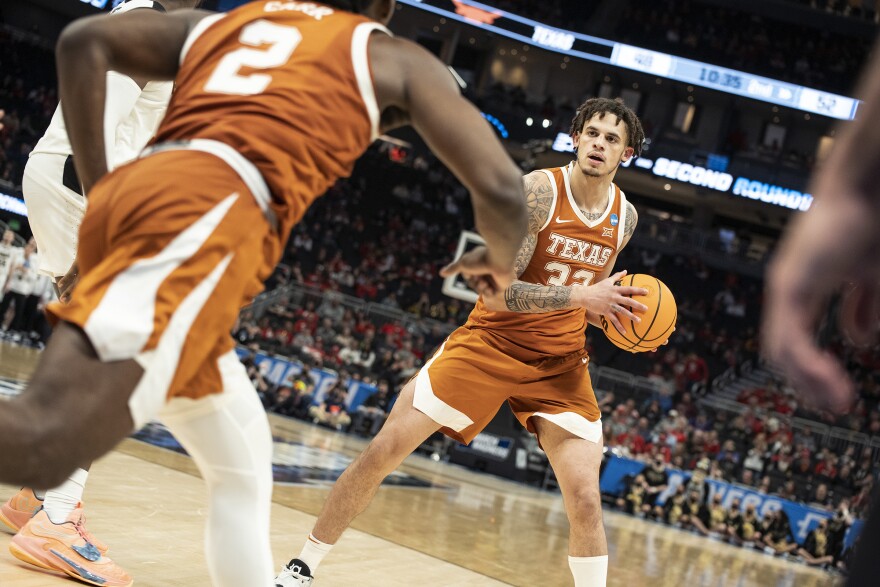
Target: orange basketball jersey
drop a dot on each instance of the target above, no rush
(287, 85)
(570, 250)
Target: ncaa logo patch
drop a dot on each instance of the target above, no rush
(614, 220)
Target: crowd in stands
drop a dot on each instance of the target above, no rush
(690, 507)
(24, 293)
(28, 97)
(741, 40)
(382, 236)
(862, 9)
(749, 449)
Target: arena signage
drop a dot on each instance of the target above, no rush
(552, 38)
(655, 63)
(772, 194)
(803, 518)
(707, 178)
(12, 204)
(693, 174)
(278, 370)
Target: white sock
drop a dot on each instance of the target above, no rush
(589, 571)
(314, 552)
(62, 500)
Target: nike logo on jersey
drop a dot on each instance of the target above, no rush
(561, 221)
(584, 360)
(607, 231)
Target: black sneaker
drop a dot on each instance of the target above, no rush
(295, 574)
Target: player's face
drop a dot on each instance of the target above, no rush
(601, 145)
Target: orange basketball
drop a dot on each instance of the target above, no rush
(657, 322)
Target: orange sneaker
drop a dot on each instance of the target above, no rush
(20, 508)
(66, 548)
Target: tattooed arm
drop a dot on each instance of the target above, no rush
(532, 298)
(632, 218)
(529, 297)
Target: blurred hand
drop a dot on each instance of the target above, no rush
(610, 300)
(479, 272)
(67, 283)
(2, 114)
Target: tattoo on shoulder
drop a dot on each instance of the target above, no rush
(529, 297)
(631, 219)
(539, 200)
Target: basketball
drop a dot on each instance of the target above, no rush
(657, 322)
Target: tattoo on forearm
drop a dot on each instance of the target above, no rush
(532, 298)
(631, 216)
(525, 254)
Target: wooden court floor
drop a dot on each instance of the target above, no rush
(469, 530)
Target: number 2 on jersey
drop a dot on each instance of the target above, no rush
(282, 41)
(562, 271)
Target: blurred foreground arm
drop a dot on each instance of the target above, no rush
(420, 85)
(834, 242)
(140, 44)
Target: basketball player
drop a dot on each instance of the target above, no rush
(524, 345)
(273, 102)
(836, 241)
(10, 255)
(53, 194)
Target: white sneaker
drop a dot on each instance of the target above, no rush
(295, 574)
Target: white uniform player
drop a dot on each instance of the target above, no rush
(10, 256)
(51, 189)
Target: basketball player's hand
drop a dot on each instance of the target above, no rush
(610, 300)
(814, 260)
(2, 114)
(480, 273)
(67, 283)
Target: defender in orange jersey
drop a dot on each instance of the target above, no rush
(524, 345)
(273, 103)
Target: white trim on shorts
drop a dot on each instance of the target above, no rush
(576, 424)
(122, 323)
(432, 406)
(160, 364)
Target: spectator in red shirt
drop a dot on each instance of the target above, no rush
(696, 371)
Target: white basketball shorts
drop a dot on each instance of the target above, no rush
(54, 212)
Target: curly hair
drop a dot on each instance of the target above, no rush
(635, 135)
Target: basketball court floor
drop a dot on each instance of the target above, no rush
(432, 525)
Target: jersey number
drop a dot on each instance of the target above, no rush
(561, 272)
(282, 41)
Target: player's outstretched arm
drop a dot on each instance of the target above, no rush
(145, 45)
(835, 241)
(409, 79)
